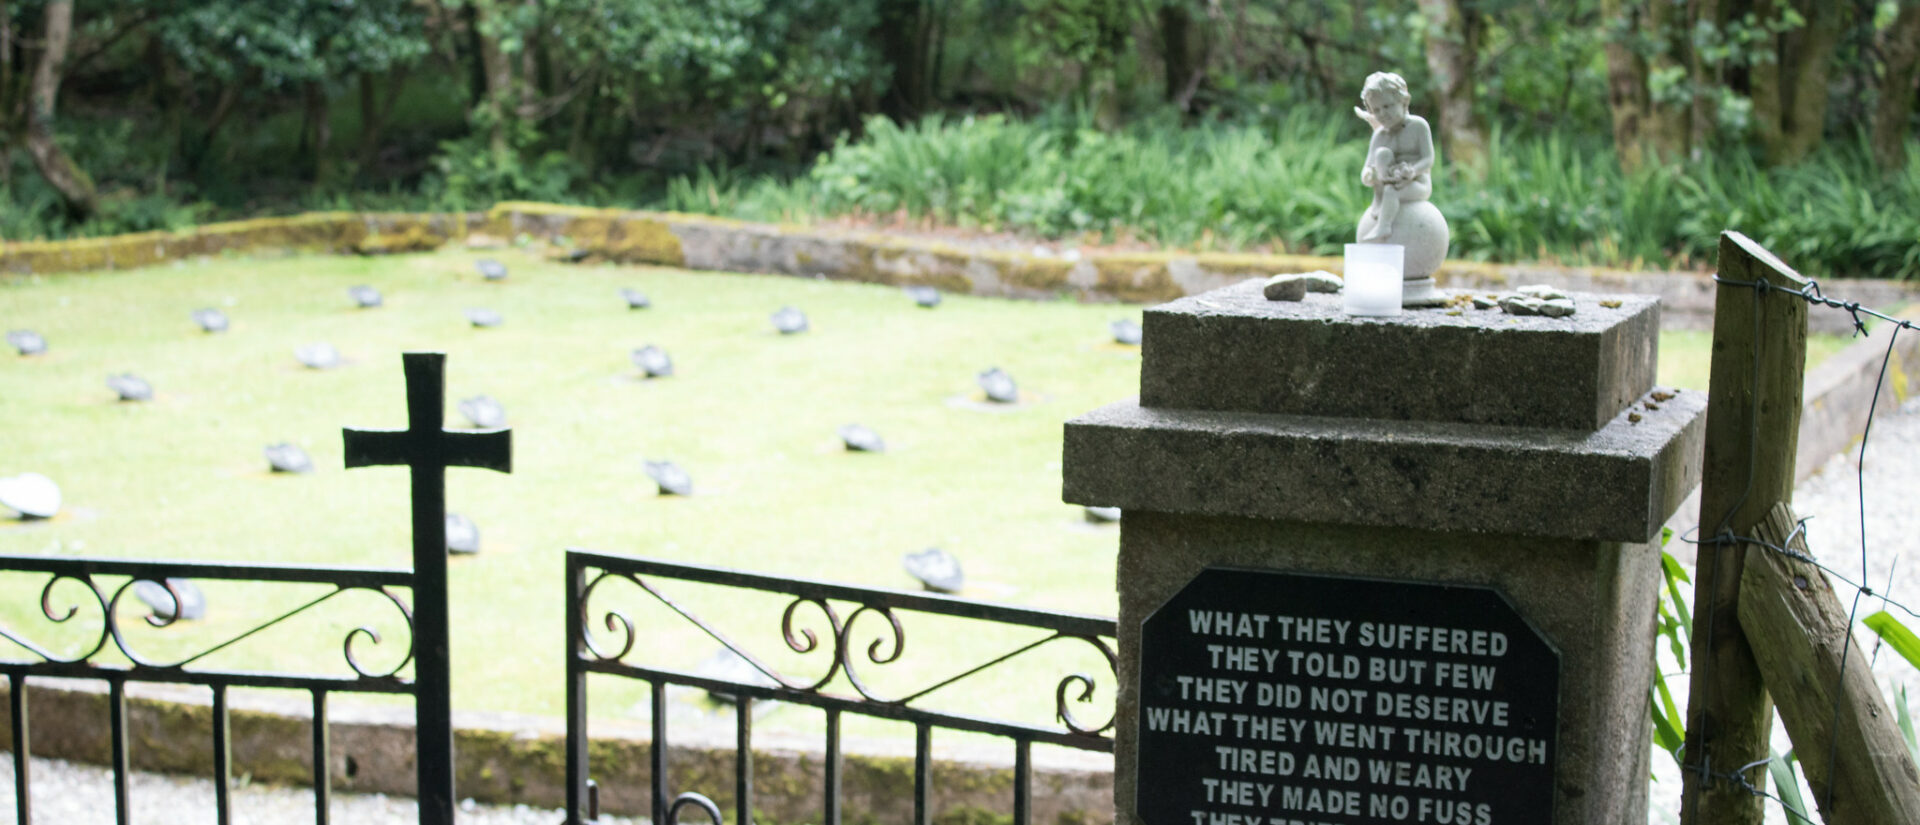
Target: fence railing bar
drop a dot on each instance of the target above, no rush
(657, 750)
(1022, 781)
(863, 707)
(743, 760)
(222, 758)
(152, 569)
(322, 777)
(1069, 623)
(830, 783)
(577, 764)
(22, 763)
(922, 771)
(122, 764)
(168, 675)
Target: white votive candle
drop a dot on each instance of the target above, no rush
(1373, 278)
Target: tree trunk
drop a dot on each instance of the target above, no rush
(1790, 91)
(6, 71)
(199, 149)
(1899, 83)
(1626, 83)
(1180, 71)
(528, 106)
(904, 39)
(321, 127)
(1668, 116)
(1453, 48)
(74, 185)
(1708, 78)
(374, 120)
(498, 71)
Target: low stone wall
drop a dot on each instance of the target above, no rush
(512, 759)
(718, 244)
(331, 232)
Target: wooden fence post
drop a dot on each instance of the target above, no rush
(1856, 763)
(1753, 425)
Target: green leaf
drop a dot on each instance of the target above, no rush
(1787, 787)
(1905, 721)
(1896, 635)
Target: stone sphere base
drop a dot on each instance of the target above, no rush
(1422, 230)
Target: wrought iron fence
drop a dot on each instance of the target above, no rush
(836, 685)
(427, 449)
(107, 582)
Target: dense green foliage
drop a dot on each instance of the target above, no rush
(1294, 187)
(1615, 131)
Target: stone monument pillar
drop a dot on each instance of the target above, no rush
(1396, 569)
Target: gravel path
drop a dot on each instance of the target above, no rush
(74, 794)
(1891, 566)
(70, 793)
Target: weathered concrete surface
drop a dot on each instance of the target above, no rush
(1594, 601)
(1232, 349)
(515, 759)
(1289, 437)
(1618, 483)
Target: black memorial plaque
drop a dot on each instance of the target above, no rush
(1283, 699)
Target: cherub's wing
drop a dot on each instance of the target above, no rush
(1368, 117)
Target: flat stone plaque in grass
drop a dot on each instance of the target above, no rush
(1278, 697)
(26, 341)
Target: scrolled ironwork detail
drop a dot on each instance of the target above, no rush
(46, 609)
(843, 651)
(112, 627)
(616, 621)
(346, 645)
(694, 800)
(807, 642)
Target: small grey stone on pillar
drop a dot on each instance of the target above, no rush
(1386, 569)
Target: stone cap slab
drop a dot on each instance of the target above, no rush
(1233, 350)
(1617, 483)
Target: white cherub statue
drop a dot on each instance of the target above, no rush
(1399, 169)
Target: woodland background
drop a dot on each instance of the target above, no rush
(1604, 131)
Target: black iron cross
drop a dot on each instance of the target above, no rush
(429, 449)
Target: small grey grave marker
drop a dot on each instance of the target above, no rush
(483, 317)
(860, 439)
(318, 355)
(671, 480)
(210, 319)
(463, 536)
(936, 569)
(130, 387)
(635, 298)
(26, 341)
(653, 361)
(32, 495)
(999, 386)
(484, 412)
(925, 296)
(491, 269)
(364, 296)
(287, 457)
(1125, 331)
(789, 321)
(178, 594)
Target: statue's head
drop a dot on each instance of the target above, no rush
(1383, 88)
